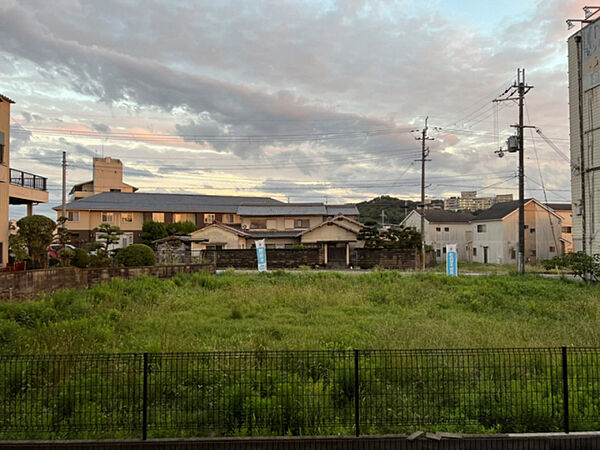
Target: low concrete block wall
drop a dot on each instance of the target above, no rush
(276, 258)
(33, 282)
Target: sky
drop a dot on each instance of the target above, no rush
(302, 101)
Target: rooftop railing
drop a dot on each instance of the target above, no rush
(28, 180)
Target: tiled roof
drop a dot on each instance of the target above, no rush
(559, 206)
(121, 201)
(499, 210)
(445, 216)
(5, 99)
(273, 234)
(342, 210)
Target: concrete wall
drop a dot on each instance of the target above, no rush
(276, 258)
(33, 282)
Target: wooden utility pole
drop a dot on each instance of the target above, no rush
(64, 185)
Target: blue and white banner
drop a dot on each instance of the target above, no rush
(451, 260)
(261, 255)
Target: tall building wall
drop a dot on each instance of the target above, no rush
(4, 180)
(590, 104)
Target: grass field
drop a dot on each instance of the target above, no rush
(196, 395)
(304, 310)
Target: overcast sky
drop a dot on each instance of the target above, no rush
(306, 101)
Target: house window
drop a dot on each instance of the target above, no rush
(73, 216)
(446, 228)
(1, 147)
(438, 229)
(178, 217)
(158, 217)
(481, 228)
(552, 249)
(525, 227)
(107, 217)
(229, 218)
(566, 229)
(127, 217)
(444, 249)
(437, 253)
(532, 230)
(258, 224)
(209, 218)
(474, 251)
(513, 253)
(115, 190)
(301, 223)
(532, 252)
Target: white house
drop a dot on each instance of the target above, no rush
(496, 233)
(443, 227)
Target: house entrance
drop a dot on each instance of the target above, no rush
(485, 255)
(336, 255)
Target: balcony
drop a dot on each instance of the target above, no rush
(26, 188)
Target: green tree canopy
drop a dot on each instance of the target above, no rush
(151, 231)
(181, 228)
(35, 234)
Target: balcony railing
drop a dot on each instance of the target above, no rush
(28, 180)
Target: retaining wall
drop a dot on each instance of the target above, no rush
(33, 282)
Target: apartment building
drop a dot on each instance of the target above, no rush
(16, 187)
(130, 210)
(107, 176)
(468, 201)
(584, 110)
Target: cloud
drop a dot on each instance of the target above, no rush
(289, 89)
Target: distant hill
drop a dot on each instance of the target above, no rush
(395, 209)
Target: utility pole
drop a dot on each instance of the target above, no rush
(424, 155)
(382, 218)
(581, 152)
(518, 91)
(64, 185)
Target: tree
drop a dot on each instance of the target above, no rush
(63, 235)
(181, 228)
(394, 238)
(151, 231)
(35, 235)
(136, 255)
(108, 235)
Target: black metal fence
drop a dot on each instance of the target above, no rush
(299, 393)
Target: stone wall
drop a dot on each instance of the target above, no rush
(276, 258)
(367, 258)
(33, 282)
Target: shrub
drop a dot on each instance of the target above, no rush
(136, 255)
(151, 231)
(80, 259)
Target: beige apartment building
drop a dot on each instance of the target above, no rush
(107, 177)
(468, 201)
(16, 187)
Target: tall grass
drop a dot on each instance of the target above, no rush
(305, 310)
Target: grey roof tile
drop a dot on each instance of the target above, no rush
(121, 201)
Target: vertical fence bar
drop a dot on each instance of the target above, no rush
(565, 380)
(145, 400)
(356, 394)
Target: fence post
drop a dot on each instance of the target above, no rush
(565, 380)
(356, 394)
(145, 399)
